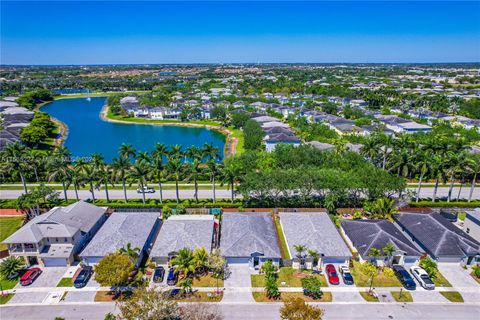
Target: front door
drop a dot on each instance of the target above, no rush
(32, 261)
(256, 261)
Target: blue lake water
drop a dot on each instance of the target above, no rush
(88, 133)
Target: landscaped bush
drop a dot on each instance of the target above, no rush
(444, 204)
(388, 272)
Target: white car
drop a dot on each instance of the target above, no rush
(422, 277)
(145, 190)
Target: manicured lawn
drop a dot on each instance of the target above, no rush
(461, 216)
(65, 282)
(108, 296)
(404, 297)
(287, 277)
(8, 225)
(6, 297)
(281, 237)
(452, 296)
(200, 297)
(368, 297)
(441, 281)
(207, 281)
(262, 297)
(380, 280)
(8, 284)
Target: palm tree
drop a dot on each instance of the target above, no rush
(194, 171)
(473, 168)
(200, 259)
(210, 152)
(374, 253)
(213, 168)
(315, 256)
(139, 173)
(184, 262)
(175, 168)
(422, 165)
(11, 266)
(130, 252)
(300, 248)
(103, 172)
(186, 285)
(126, 151)
(158, 167)
(90, 176)
(76, 178)
(389, 249)
(58, 170)
(120, 167)
(16, 153)
(176, 151)
(231, 174)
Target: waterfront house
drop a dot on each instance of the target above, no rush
(249, 238)
(53, 238)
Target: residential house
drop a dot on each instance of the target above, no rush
(437, 236)
(139, 229)
(183, 231)
(272, 140)
(315, 231)
(53, 238)
(363, 235)
(471, 224)
(321, 145)
(249, 238)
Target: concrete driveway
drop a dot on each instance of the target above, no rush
(457, 276)
(79, 296)
(427, 296)
(238, 284)
(49, 278)
(347, 297)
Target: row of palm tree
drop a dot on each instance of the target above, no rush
(436, 158)
(131, 166)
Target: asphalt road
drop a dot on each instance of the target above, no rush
(265, 311)
(189, 194)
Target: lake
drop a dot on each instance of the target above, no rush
(88, 133)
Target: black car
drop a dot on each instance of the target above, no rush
(83, 277)
(404, 278)
(158, 274)
(346, 275)
(172, 277)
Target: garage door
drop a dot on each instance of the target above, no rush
(55, 262)
(333, 260)
(238, 260)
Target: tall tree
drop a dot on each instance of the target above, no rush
(158, 166)
(15, 155)
(175, 168)
(120, 168)
(139, 172)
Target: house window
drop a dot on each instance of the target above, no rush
(66, 240)
(56, 239)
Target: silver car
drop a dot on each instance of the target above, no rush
(422, 277)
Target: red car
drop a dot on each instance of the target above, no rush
(332, 274)
(30, 276)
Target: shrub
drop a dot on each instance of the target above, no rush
(388, 272)
(312, 287)
(476, 271)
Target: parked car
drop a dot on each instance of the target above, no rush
(172, 277)
(346, 275)
(83, 277)
(30, 276)
(422, 277)
(404, 277)
(145, 190)
(332, 274)
(174, 292)
(158, 274)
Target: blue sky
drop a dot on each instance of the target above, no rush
(217, 32)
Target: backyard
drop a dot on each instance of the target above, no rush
(9, 225)
(287, 277)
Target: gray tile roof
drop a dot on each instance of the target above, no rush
(119, 229)
(367, 234)
(59, 222)
(314, 230)
(184, 231)
(244, 233)
(439, 236)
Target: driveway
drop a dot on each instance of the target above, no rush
(427, 296)
(347, 297)
(457, 276)
(238, 284)
(49, 278)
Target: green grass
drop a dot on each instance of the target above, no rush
(292, 278)
(8, 284)
(200, 297)
(5, 298)
(461, 216)
(380, 280)
(475, 277)
(445, 204)
(8, 225)
(405, 296)
(281, 237)
(262, 297)
(207, 281)
(65, 282)
(368, 297)
(441, 281)
(452, 296)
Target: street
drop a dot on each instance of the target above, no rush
(221, 194)
(265, 311)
